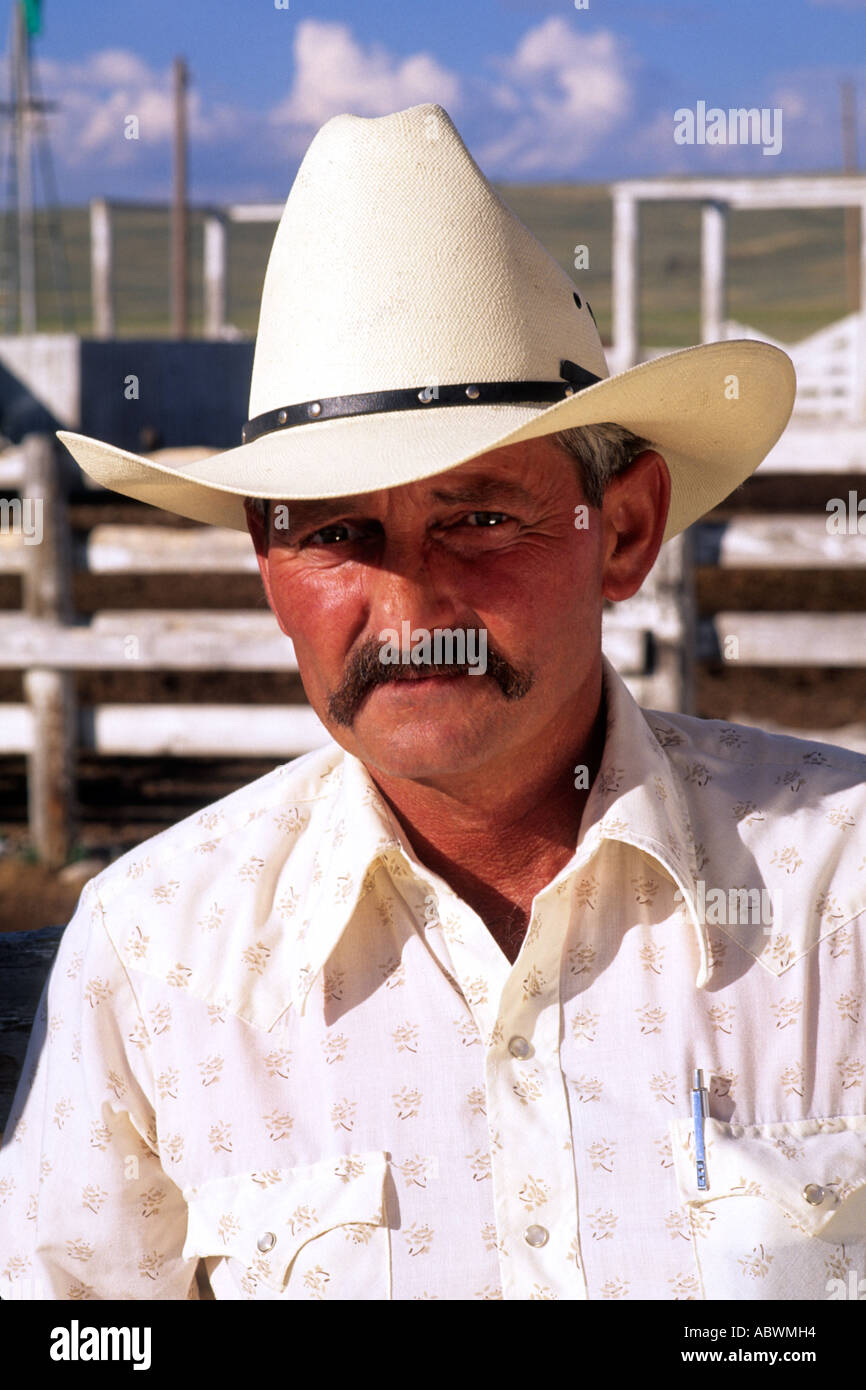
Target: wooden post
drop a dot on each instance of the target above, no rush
(625, 280)
(713, 307)
(671, 586)
(101, 268)
(50, 694)
(687, 601)
(214, 275)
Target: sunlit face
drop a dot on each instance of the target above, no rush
(491, 545)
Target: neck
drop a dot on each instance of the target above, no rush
(499, 837)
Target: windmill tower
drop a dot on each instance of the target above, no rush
(26, 134)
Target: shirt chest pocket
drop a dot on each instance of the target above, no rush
(316, 1232)
(784, 1213)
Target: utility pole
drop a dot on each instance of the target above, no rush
(179, 300)
(25, 112)
(852, 215)
(26, 250)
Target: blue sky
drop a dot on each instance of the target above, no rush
(539, 90)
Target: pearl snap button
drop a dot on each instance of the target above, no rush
(536, 1235)
(266, 1241)
(814, 1194)
(519, 1047)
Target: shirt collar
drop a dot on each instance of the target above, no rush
(359, 832)
(635, 798)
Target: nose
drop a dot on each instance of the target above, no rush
(410, 585)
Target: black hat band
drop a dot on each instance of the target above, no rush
(421, 398)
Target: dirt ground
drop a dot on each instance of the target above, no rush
(32, 896)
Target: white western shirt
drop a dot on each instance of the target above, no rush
(276, 1043)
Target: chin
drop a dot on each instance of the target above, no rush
(419, 750)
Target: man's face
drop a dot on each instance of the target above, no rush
(492, 545)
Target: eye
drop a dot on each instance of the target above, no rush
(489, 518)
(335, 533)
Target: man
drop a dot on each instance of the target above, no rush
(512, 990)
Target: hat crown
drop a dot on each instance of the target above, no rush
(396, 264)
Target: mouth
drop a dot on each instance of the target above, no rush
(430, 674)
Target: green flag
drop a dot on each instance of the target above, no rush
(32, 15)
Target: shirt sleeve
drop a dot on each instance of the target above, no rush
(86, 1208)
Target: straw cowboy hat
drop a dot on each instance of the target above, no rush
(409, 322)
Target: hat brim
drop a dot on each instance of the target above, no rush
(713, 411)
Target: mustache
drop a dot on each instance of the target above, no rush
(366, 670)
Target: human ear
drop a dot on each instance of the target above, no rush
(634, 514)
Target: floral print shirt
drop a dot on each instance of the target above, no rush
(277, 1051)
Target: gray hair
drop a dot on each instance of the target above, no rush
(599, 452)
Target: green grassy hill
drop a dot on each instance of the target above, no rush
(786, 272)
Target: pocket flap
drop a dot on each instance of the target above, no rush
(812, 1169)
(264, 1218)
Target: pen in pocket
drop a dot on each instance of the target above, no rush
(700, 1109)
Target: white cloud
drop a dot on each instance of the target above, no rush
(117, 67)
(539, 110)
(559, 96)
(809, 100)
(246, 149)
(111, 67)
(794, 103)
(334, 73)
(811, 103)
(96, 96)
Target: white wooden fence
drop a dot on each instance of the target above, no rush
(716, 196)
(827, 366)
